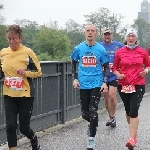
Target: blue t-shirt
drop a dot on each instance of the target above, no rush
(91, 59)
(111, 49)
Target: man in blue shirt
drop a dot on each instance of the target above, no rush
(90, 56)
(110, 96)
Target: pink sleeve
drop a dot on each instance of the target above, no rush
(115, 66)
(146, 60)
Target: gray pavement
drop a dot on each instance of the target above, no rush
(73, 135)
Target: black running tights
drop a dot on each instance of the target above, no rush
(21, 106)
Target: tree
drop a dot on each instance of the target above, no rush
(2, 19)
(104, 18)
(75, 32)
(30, 29)
(53, 42)
(143, 29)
(3, 40)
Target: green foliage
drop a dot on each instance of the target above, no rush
(143, 29)
(30, 29)
(51, 41)
(75, 32)
(104, 18)
(44, 57)
(3, 40)
(2, 19)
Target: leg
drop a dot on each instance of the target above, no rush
(126, 101)
(85, 101)
(11, 111)
(135, 101)
(111, 102)
(128, 119)
(13, 148)
(93, 107)
(25, 112)
(106, 101)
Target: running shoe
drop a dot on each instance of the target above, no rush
(34, 144)
(113, 122)
(108, 123)
(131, 143)
(91, 144)
(88, 130)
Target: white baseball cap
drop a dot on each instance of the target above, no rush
(131, 31)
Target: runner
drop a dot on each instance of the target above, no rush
(110, 97)
(128, 67)
(91, 56)
(19, 65)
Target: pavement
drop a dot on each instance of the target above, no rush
(72, 135)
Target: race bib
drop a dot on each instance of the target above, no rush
(110, 66)
(128, 88)
(14, 83)
(89, 61)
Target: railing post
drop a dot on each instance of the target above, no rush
(63, 93)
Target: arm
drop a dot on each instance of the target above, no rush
(106, 71)
(146, 64)
(74, 74)
(33, 67)
(73, 69)
(116, 66)
(1, 74)
(104, 87)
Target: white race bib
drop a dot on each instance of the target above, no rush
(128, 88)
(14, 83)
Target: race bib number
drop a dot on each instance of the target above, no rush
(89, 61)
(14, 83)
(110, 66)
(128, 89)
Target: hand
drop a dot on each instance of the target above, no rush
(21, 71)
(104, 88)
(76, 84)
(120, 76)
(143, 73)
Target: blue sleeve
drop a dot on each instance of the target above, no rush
(75, 54)
(121, 45)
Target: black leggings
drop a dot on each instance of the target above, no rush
(132, 100)
(89, 99)
(14, 106)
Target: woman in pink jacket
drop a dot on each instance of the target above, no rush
(128, 67)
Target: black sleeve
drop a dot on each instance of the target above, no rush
(1, 74)
(106, 71)
(73, 68)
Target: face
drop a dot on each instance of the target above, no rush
(13, 40)
(107, 37)
(131, 39)
(90, 32)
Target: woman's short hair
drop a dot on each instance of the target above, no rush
(14, 29)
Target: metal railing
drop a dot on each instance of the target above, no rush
(55, 99)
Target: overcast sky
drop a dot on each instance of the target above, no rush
(44, 11)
